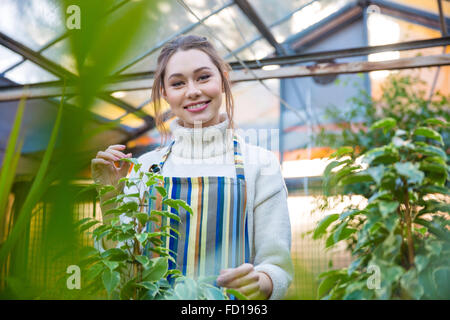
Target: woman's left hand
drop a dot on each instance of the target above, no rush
(245, 279)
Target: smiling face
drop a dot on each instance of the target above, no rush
(193, 88)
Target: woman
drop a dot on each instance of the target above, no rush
(240, 228)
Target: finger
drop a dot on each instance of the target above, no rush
(239, 282)
(118, 154)
(255, 296)
(250, 289)
(96, 162)
(238, 272)
(117, 147)
(107, 156)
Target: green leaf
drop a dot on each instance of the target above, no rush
(437, 173)
(165, 214)
(161, 191)
(332, 165)
(387, 207)
(157, 270)
(436, 122)
(410, 171)
(185, 206)
(341, 151)
(328, 283)
(342, 233)
(115, 254)
(111, 264)
(432, 151)
(356, 178)
(94, 271)
(142, 217)
(384, 155)
(111, 280)
(324, 224)
(432, 228)
(148, 285)
(213, 293)
(421, 262)
(377, 173)
(384, 194)
(129, 206)
(144, 260)
(349, 213)
(385, 124)
(441, 277)
(88, 225)
(409, 281)
(128, 290)
(429, 133)
(236, 293)
(435, 189)
(390, 222)
(141, 237)
(355, 265)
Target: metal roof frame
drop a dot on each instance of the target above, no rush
(345, 16)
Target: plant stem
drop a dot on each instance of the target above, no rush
(409, 227)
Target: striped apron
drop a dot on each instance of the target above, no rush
(215, 236)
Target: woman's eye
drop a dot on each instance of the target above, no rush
(177, 84)
(204, 77)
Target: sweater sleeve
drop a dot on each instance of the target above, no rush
(272, 229)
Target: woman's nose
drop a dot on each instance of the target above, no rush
(193, 91)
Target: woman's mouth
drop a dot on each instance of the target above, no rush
(197, 107)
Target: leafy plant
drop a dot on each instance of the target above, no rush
(126, 272)
(400, 238)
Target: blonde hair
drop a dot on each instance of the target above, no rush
(186, 43)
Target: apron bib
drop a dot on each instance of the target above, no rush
(215, 236)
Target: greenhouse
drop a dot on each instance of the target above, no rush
(340, 114)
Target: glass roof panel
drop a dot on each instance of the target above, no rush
(60, 53)
(308, 16)
(148, 108)
(29, 72)
(272, 11)
(102, 108)
(202, 8)
(33, 23)
(427, 5)
(134, 98)
(146, 64)
(168, 19)
(258, 50)
(132, 121)
(8, 58)
(238, 33)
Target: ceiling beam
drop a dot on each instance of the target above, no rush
(274, 24)
(61, 72)
(343, 68)
(326, 27)
(407, 13)
(8, 94)
(255, 19)
(175, 35)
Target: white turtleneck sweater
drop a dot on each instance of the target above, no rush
(209, 152)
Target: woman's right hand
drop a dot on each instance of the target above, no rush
(103, 169)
